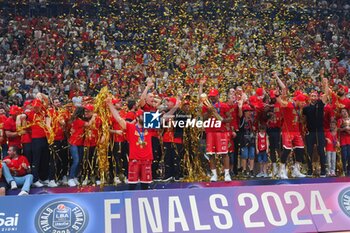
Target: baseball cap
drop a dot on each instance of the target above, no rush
(89, 107)
(213, 92)
(259, 91)
(171, 99)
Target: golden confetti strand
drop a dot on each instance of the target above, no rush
(102, 147)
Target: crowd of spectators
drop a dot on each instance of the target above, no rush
(229, 44)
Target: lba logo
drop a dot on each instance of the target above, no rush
(61, 215)
(151, 120)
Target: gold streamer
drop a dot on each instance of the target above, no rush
(104, 135)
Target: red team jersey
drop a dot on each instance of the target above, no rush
(137, 150)
(149, 108)
(291, 119)
(222, 109)
(262, 142)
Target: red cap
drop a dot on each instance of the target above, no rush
(26, 103)
(115, 101)
(259, 91)
(345, 88)
(37, 103)
(300, 97)
(213, 92)
(89, 107)
(297, 92)
(171, 99)
(14, 109)
(139, 113)
(272, 94)
(246, 107)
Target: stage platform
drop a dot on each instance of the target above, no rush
(185, 185)
(245, 206)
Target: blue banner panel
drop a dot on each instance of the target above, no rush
(277, 208)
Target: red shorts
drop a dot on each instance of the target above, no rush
(140, 170)
(217, 142)
(292, 140)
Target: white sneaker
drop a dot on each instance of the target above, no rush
(167, 179)
(283, 172)
(126, 181)
(13, 185)
(266, 175)
(64, 180)
(274, 170)
(117, 180)
(76, 181)
(227, 177)
(296, 172)
(45, 182)
(23, 193)
(214, 178)
(85, 182)
(71, 183)
(52, 184)
(259, 175)
(38, 184)
(98, 182)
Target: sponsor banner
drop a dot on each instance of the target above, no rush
(277, 208)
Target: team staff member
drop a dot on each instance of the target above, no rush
(140, 145)
(314, 116)
(120, 147)
(274, 124)
(59, 117)
(91, 140)
(172, 141)
(13, 136)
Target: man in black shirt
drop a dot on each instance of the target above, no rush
(314, 113)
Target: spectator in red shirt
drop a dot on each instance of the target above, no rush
(16, 171)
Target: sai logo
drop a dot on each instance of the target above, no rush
(61, 215)
(151, 120)
(344, 201)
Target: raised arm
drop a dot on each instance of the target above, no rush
(143, 96)
(325, 87)
(116, 114)
(282, 98)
